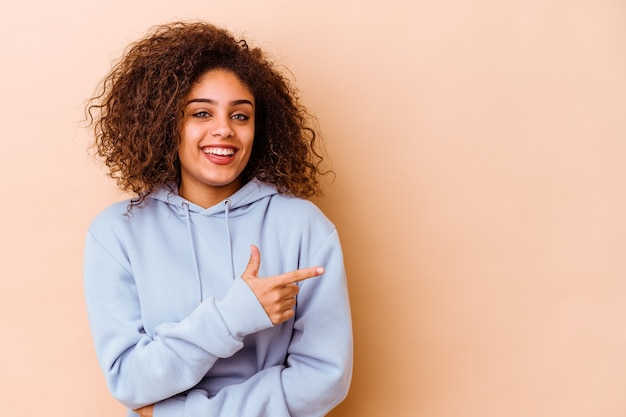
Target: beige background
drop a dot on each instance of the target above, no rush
(479, 148)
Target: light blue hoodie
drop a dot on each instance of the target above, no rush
(174, 324)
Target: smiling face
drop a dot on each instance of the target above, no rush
(217, 133)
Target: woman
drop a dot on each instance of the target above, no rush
(187, 318)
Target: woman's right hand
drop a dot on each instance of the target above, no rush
(145, 411)
(276, 294)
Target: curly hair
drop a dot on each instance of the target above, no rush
(136, 110)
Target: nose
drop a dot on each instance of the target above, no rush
(222, 128)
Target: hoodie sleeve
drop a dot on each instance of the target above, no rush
(318, 370)
(141, 369)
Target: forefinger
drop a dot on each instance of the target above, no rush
(299, 275)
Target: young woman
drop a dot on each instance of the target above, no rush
(187, 317)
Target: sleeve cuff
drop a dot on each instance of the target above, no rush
(242, 312)
(174, 406)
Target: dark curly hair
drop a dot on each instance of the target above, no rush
(136, 110)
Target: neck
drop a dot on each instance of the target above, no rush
(208, 196)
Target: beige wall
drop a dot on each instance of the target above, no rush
(480, 195)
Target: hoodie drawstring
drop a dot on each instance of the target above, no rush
(227, 204)
(193, 250)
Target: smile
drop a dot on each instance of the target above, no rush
(219, 151)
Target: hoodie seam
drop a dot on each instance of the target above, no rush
(323, 244)
(99, 242)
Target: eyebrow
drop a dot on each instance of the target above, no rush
(211, 101)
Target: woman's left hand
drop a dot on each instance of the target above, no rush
(145, 411)
(277, 294)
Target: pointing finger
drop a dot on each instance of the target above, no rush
(299, 275)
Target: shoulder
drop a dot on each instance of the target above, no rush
(296, 206)
(117, 217)
(295, 210)
(291, 202)
(115, 213)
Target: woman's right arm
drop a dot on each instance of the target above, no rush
(142, 369)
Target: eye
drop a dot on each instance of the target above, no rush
(201, 114)
(240, 117)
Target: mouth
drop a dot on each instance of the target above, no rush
(219, 151)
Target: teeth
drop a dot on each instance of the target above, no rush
(219, 151)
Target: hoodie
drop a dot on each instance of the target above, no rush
(175, 325)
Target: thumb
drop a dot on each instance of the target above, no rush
(252, 269)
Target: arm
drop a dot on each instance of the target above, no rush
(319, 363)
(141, 369)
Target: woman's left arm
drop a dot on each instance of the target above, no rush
(318, 369)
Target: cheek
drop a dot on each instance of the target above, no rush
(182, 146)
(188, 138)
(187, 133)
(185, 149)
(248, 137)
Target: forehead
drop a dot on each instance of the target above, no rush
(220, 83)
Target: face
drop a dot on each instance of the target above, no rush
(217, 133)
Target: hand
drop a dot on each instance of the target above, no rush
(276, 294)
(145, 411)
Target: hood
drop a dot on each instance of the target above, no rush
(236, 205)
